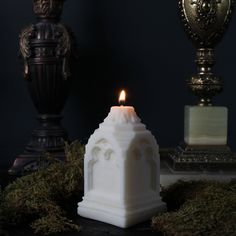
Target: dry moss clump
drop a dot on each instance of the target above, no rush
(44, 198)
(205, 208)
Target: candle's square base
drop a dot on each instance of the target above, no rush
(119, 216)
(201, 158)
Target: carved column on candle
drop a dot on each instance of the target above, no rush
(205, 145)
(47, 50)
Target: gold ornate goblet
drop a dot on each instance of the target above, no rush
(205, 143)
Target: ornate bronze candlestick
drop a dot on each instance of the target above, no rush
(46, 48)
(205, 146)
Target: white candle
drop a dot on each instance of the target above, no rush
(122, 179)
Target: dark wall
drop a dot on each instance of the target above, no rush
(134, 44)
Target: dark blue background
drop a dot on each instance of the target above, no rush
(134, 44)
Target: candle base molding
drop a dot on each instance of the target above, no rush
(122, 172)
(120, 217)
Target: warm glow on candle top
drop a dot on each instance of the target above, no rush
(122, 97)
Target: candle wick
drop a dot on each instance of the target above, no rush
(122, 103)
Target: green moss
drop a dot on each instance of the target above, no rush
(205, 208)
(51, 224)
(47, 201)
(39, 199)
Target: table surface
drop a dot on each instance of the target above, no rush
(95, 228)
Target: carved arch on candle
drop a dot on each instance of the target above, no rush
(104, 148)
(149, 155)
(143, 150)
(101, 151)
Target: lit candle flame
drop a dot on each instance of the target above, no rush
(122, 97)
